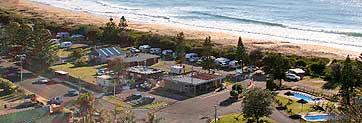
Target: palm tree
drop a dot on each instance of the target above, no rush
(151, 118)
(87, 103)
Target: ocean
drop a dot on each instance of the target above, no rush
(333, 23)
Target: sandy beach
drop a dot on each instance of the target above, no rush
(224, 39)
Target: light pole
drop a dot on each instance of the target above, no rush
(215, 116)
(22, 57)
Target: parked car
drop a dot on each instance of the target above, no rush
(55, 100)
(155, 51)
(145, 86)
(62, 34)
(66, 44)
(192, 57)
(293, 77)
(73, 92)
(43, 81)
(101, 71)
(134, 50)
(134, 97)
(177, 69)
(222, 62)
(143, 101)
(144, 48)
(252, 68)
(234, 64)
(200, 60)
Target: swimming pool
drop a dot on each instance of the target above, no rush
(303, 96)
(321, 117)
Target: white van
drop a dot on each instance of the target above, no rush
(66, 44)
(144, 48)
(177, 69)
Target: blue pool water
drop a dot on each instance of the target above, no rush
(305, 97)
(318, 117)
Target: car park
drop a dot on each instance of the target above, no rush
(55, 100)
(73, 92)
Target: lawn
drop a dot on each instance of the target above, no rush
(63, 53)
(85, 73)
(295, 106)
(115, 101)
(237, 118)
(152, 105)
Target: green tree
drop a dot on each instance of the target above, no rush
(123, 24)
(237, 89)
(180, 47)
(276, 65)
(241, 54)
(317, 69)
(43, 53)
(110, 32)
(78, 53)
(346, 89)
(118, 66)
(207, 61)
(256, 57)
(257, 103)
(152, 118)
(352, 113)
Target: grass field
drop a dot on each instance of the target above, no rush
(85, 73)
(295, 106)
(115, 101)
(237, 118)
(63, 53)
(154, 105)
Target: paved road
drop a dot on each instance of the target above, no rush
(195, 110)
(45, 90)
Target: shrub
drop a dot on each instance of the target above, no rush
(81, 61)
(7, 86)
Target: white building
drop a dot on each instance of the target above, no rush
(104, 81)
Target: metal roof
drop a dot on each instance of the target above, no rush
(192, 79)
(139, 57)
(110, 52)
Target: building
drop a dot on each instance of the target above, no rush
(144, 73)
(141, 59)
(193, 84)
(103, 55)
(104, 81)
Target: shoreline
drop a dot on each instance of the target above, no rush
(224, 39)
